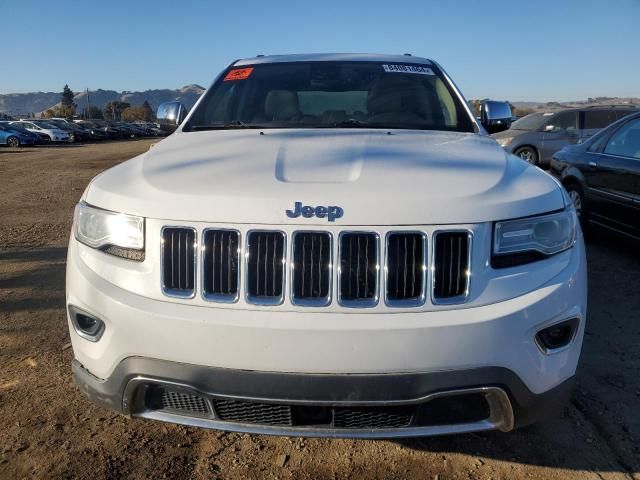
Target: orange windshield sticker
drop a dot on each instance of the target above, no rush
(238, 74)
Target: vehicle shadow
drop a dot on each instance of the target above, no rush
(32, 279)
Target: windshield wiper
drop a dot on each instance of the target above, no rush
(225, 125)
(351, 123)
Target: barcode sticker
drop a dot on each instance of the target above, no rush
(416, 69)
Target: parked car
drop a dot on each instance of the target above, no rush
(336, 249)
(140, 130)
(126, 130)
(151, 128)
(14, 136)
(76, 132)
(98, 132)
(102, 126)
(602, 176)
(39, 137)
(54, 133)
(536, 137)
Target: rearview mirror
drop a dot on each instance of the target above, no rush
(495, 116)
(171, 115)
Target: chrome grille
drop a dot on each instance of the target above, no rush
(263, 266)
(359, 266)
(406, 269)
(451, 265)
(221, 265)
(311, 270)
(266, 257)
(178, 256)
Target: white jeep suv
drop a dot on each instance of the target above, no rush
(328, 245)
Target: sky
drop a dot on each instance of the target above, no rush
(519, 50)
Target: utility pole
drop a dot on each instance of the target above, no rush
(86, 112)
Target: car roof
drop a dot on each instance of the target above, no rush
(333, 57)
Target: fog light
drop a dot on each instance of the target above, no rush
(557, 336)
(86, 325)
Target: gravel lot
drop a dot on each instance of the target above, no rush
(49, 430)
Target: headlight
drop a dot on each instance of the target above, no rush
(115, 233)
(525, 240)
(503, 142)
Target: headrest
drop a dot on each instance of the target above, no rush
(281, 104)
(397, 93)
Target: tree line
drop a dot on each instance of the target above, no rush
(114, 110)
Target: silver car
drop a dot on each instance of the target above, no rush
(538, 136)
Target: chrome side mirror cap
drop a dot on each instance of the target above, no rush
(170, 115)
(495, 116)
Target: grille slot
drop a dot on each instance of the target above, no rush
(451, 265)
(178, 251)
(265, 267)
(160, 398)
(406, 269)
(249, 412)
(311, 270)
(358, 276)
(221, 265)
(375, 417)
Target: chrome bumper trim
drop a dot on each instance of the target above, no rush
(501, 415)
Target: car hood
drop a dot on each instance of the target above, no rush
(377, 177)
(510, 133)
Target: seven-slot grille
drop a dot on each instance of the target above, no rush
(311, 270)
(406, 268)
(221, 264)
(178, 261)
(451, 265)
(265, 260)
(265, 267)
(359, 268)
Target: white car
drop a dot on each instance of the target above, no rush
(54, 133)
(327, 245)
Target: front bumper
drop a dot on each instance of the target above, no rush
(333, 358)
(509, 402)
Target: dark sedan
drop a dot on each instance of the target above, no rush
(602, 177)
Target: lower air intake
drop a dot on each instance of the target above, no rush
(249, 412)
(160, 398)
(375, 417)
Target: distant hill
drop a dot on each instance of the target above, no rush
(598, 101)
(23, 104)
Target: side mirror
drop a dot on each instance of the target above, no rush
(495, 116)
(549, 128)
(171, 115)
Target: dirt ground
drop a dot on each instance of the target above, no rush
(49, 430)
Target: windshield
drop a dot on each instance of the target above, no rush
(42, 124)
(331, 94)
(533, 121)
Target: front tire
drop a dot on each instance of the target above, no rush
(13, 142)
(528, 154)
